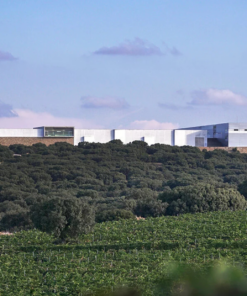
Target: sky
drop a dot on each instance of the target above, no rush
(135, 64)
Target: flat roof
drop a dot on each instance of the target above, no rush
(45, 126)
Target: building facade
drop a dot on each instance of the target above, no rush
(219, 135)
(225, 134)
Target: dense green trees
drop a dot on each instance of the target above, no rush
(14, 216)
(201, 198)
(150, 207)
(63, 217)
(242, 188)
(113, 178)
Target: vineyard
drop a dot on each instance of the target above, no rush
(121, 253)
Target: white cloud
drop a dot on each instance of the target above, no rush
(28, 119)
(152, 124)
(217, 97)
(136, 47)
(108, 102)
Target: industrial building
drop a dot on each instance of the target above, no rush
(218, 135)
(225, 134)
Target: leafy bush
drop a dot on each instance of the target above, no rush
(63, 217)
(242, 188)
(149, 207)
(202, 198)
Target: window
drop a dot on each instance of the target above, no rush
(236, 129)
(199, 141)
(245, 129)
(59, 132)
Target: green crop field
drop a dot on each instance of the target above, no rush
(125, 252)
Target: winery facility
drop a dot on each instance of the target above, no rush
(218, 135)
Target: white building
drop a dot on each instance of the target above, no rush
(50, 135)
(218, 135)
(229, 134)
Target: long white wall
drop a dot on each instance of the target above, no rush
(27, 132)
(90, 135)
(237, 134)
(188, 137)
(168, 137)
(148, 136)
(237, 139)
(126, 136)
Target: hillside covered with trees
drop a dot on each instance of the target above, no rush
(104, 182)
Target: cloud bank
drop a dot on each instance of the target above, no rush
(28, 119)
(136, 47)
(108, 102)
(217, 97)
(25, 118)
(209, 97)
(6, 56)
(152, 124)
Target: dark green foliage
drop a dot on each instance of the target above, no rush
(112, 176)
(5, 153)
(63, 217)
(89, 193)
(139, 194)
(201, 198)
(242, 188)
(149, 207)
(14, 216)
(114, 215)
(20, 149)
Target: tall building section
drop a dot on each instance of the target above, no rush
(224, 134)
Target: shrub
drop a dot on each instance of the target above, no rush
(202, 198)
(63, 216)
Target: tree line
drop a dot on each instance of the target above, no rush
(65, 189)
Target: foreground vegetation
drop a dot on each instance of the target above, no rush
(126, 252)
(64, 190)
(111, 181)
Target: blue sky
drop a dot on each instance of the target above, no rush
(122, 64)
